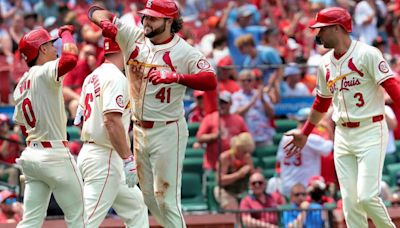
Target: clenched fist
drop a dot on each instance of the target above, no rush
(109, 29)
(166, 77)
(65, 28)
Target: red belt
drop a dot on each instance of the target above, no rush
(47, 144)
(357, 124)
(149, 124)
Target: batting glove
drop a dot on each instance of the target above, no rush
(109, 29)
(130, 171)
(166, 77)
(65, 28)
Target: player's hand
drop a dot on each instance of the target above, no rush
(130, 171)
(166, 77)
(65, 28)
(109, 29)
(295, 145)
(245, 170)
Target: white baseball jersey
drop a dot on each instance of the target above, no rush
(302, 166)
(106, 79)
(353, 82)
(40, 103)
(162, 102)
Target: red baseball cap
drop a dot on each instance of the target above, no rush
(226, 61)
(161, 8)
(110, 46)
(5, 194)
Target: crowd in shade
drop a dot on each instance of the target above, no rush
(262, 51)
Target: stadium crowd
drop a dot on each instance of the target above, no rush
(262, 51)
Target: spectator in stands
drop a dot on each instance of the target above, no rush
(365, 18)
(395, 200)
(264, 57)
(10, 209)
(317, 190)
(234, 168)
(256, 108)
(221, 126)
(9, 147)
(30, 21)
(6, 55)
(196, 114)
(297, 215)
(292, 86)
(74, 81)
(46, 8)
(16, 30)
(301, 167)
(241, 27)
(258, 199)
(11, 7)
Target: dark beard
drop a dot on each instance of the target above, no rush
(156, 32)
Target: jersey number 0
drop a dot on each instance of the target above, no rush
(28, 112)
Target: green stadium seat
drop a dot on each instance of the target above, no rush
(386, 178)
(397, 142)
(193, 164)
(193, 127)
(269, 162)
(74, 133)
(257, 162)
(192, 197)
(392, 171)
(277, 138)
(389, 159)
(194, 153)
(284, 125)
(264, 151)
(191, 141)
(268, 173)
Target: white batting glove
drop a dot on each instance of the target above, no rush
(130, 171)
(79, 116)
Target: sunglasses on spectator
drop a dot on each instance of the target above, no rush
(255, 183)
(246, 80)
(297, 194)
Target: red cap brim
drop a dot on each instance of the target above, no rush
(153, 13)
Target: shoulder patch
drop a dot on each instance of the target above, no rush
(203, 64)
(383, 67)
(120, 101)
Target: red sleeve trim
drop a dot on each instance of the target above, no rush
(321, 104)
(201, 81)
(67, 63)
(392, 87)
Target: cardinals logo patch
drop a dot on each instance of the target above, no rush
(383, 67)
(203, 64)
(120, 101)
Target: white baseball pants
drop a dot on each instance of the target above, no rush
(159, 153)
(50, 170)
(359, 155)
(105, 187)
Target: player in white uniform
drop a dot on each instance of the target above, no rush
(304, 165)
(47, 163)
(350, 76)
(160, 65)
(106, 113)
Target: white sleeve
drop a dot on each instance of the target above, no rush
(322, 85)
(376, 65)
(197, 62)
(127, 34)
(115, 94)
(48, 72)
(319, 144)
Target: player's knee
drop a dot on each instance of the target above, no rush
(365, 201)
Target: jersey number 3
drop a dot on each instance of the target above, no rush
(164, 95)
(360, 98)
(88, 108)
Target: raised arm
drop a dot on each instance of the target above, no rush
(104, 19)
(69, 56)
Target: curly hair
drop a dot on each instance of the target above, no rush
(177, 25)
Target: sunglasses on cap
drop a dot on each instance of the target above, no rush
(10, 201)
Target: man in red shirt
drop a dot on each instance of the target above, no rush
(222, 127)
(9, 148)
(10, 208)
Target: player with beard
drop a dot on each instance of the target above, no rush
(159, 66)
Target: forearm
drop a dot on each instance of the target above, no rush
(117, 135)
(244, 109)
(97, 14)
(69, 56)
(201, 81)
(250, 222)
(269, 111)
(69, 94)
(227, 179)
(206, 138)
(392, 87)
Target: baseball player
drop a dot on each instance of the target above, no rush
(350, 76)
(46, 162)
(105, 99)
(159, 65)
